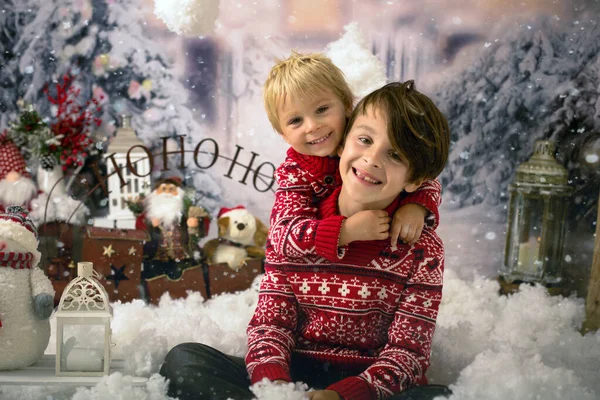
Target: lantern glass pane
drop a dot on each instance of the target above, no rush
(553, 239)
(82, 348)
(529, 234)
(512, 242)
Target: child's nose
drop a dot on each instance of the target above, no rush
(372, 158)
(311, 125)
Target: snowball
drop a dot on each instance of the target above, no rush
(188, 17)
(364, 71)
(266, 390)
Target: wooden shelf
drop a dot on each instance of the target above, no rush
(42, 373)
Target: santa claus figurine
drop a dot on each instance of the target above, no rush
(16, 185)
(174, 231)
(26, 293)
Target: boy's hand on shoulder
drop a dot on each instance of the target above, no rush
(365, 225)
(408, 223)
(324, 395)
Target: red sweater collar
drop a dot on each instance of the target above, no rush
(329, 206)
(314, 165)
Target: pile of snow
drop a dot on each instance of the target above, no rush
(363, 70)
(523, 346)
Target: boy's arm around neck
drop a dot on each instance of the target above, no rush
(428, 195)
(294, 223)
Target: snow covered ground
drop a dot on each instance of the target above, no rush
(486, 346)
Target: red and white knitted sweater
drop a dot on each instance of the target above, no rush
(373, 309)
(304, 181)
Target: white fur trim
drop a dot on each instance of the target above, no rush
(20, 234)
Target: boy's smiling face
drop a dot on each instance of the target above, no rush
(373, 172)
(313, 126)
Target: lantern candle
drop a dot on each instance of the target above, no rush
(85, 360)
(529, 256)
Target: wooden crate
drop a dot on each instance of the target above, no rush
(117, 255)
(191, 279)
(223, 279)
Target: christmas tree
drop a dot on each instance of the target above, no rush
(104, 45)
(538, 80)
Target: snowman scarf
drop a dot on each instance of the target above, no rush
(15, 261)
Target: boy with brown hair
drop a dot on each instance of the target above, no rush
(308, 101)
(357, 328)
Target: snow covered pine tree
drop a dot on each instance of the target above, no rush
(538, 80)
(104, 44)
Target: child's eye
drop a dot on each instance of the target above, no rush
(364, 140)
(294, 121)
(321, 110)
(395, 156)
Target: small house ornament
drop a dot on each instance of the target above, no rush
(128, 152)
(83, 326)
(536, 219)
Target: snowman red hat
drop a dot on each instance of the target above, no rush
(15, 225)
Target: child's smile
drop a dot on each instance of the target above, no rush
(365, 178)
(321, 140)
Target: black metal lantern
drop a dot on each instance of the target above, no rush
(536, 219)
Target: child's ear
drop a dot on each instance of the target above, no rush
(340, 149)
(411, 187)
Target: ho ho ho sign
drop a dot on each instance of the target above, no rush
(262, 175)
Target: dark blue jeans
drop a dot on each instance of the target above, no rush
(199, 372)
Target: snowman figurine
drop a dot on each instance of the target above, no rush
(26, 293)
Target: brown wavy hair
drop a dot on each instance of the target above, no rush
(417, 129)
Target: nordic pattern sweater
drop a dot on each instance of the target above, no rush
(304, 181)
(374, 309)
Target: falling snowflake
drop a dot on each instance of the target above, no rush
(490, 235)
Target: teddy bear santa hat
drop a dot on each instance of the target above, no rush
(11, 159)
(15, 225)
(225, 210)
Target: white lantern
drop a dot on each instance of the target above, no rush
(83, 326)
(126, 149)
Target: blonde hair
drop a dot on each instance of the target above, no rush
(304, 75)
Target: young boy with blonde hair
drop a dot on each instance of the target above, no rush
(359, 328)
(308, 102)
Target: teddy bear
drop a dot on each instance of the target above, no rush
(26, 293)
(241, 236)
